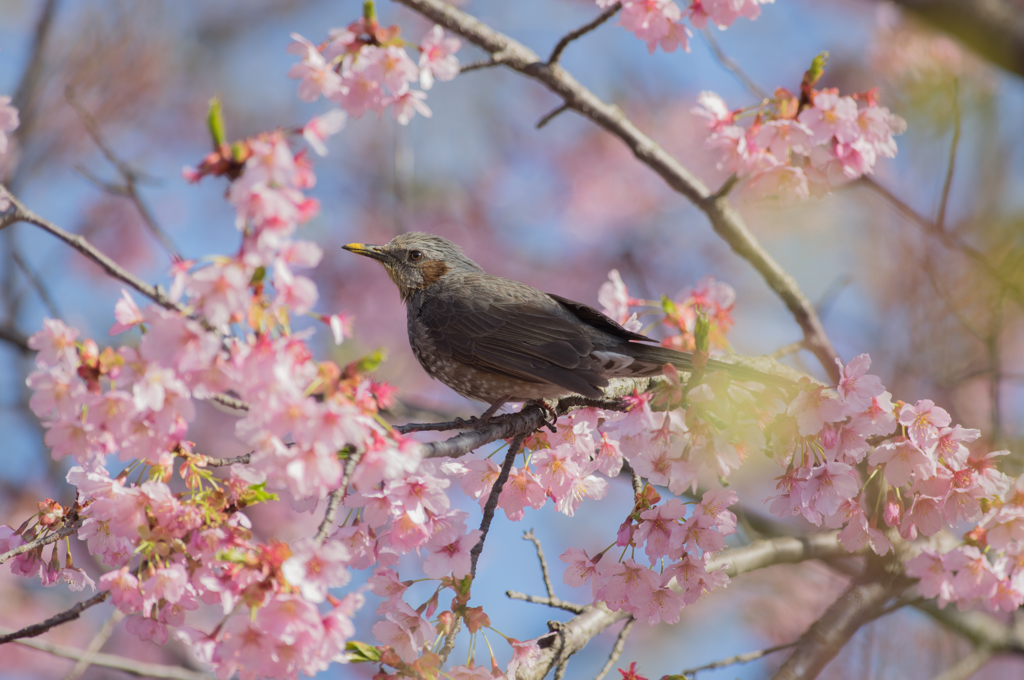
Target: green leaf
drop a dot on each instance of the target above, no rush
(360, 652)
(215, 121)
(702, 332)
(816, 71)
(372, 361)
(257, 493)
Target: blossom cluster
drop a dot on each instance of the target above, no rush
(365, 67)
(659, 22)
(798, 147)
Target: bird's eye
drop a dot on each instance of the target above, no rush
(415, 255)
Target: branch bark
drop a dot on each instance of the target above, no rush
(726, 222)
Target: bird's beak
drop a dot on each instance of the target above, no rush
(376, 252)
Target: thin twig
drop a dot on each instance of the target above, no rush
(449, 640)
(739, 658)
(553, 602)
(940, 219)
(336, 497)
(582, 31)
(224, 462)
(95, 645)
(432, 427)
(620, 644)
(786, 350)
(12, 336)
(20, 213)
(948, 238)
(129, 175)
(548, 117)
(731, 66)
(528, 536)
(65, 616)
(229, 401)
(36, 543)
(967, 666)
(36, 282)
(492, 500)
(27, 91)
(130, 666)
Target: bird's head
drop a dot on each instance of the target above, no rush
(415, 260)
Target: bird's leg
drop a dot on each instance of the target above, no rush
(477, 423)
(547, 408)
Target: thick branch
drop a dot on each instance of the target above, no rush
(726, 222)
(781, 550)
(862, 602)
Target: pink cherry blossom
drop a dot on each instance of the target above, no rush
(935, 579)
(649, 20)
(449, 551)
(55, 344)
(713, 107)
(831, 116)
(579, 569)
(318, 129)
(813, 408)
(317, 76)
(521, 489)
(856, 388)
(902, 458)
(407, 105)
(314, 568)
(437, 57)
(923, 421)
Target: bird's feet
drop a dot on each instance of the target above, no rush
(475, 423)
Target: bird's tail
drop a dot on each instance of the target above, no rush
(659, 356)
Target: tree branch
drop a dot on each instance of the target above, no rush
(65, 616)
(36, 543)
(746, 657)
(551, 601)
(129, 176)
(20, 213)
(620, 644)
(528, 536)
(130, 666)
(967, 666)
(862, 602)
(492, 499)
(726, 222)
(582, 31)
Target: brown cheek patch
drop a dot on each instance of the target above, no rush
(432, 271)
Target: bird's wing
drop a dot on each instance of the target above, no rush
(594, 318)
(509, 329)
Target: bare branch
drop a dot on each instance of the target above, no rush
(223, 462)
(25, 95)
(34, 544)
(548, 117)
(940, 219)
(528, 536)
(12, 336)
(780, 550)
(620, 644)
(862, 602)
(492, 499)
(552, 601)
(130, 666)
(948, 238)
(746, 657)
(129, 175)
(36, 282)
(65, 616)
(432, 427)
(20, 213)
(95, 645)
(726, 222)
(967, 666)
(335, 499)
(731, 66)
(582, 31)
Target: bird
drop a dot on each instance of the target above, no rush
(496, 340)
